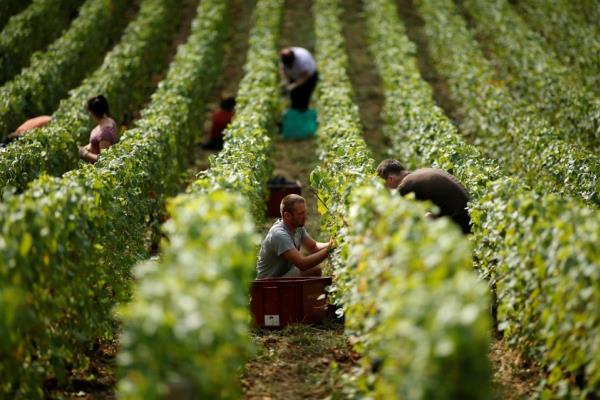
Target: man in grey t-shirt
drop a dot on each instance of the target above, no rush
(280, 250)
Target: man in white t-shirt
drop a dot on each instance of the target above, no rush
(298, 68)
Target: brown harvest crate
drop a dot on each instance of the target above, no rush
(277, 302)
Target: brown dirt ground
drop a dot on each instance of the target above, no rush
(296, 159)
(97, 382)
(514, 377)
(365, 80)
(414, 29)
(297, 362)
(235, 57)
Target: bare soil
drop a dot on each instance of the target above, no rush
(97, 382)
(236, 48)
(294, 160)
(414, 24)
(298, 362)
(514, 377)
(367, 85)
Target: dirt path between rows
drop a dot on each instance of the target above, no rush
(366, 83)
(414, 29)
(514, 377)
(236, 48)
(294, 160)
(299, 361)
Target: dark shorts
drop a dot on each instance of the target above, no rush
(301, 95)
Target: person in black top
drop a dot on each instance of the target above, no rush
(432, 184)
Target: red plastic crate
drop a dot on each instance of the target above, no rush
(277, 191)
(277, 302)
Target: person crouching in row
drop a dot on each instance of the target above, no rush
(435, 185)
(280, 254)
(105, 133)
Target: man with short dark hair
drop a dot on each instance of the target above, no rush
(280, 250)
(432, 184)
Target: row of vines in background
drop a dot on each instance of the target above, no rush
(535, 74)
(32, 30)
(531, 257)
(39, 87)
(502, 128)
(575, 41)
(244, 165)
(194, 301)
(410, 297)
(124, 78)
(69, 243)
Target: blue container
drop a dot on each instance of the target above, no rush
(298, 124)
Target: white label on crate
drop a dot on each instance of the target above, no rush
(271, 320)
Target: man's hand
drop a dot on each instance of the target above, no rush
(304, 263)
(331, 246)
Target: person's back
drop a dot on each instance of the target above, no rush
(443, 190)
(30, 124)
(303, 63)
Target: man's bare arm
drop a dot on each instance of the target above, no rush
(301, 80)
(313, 246)
(303, 263)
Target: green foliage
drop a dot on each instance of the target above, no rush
(190, 310)
(39, 87)
(409, 295)
(31, 30)
(186, 330)
(68, 244)
(544, 258)
(420, 133)
(244, 164)
(504, 129)
(564, 26)
(532, 70)
(529, 246)
(124, 78)
(9, 9)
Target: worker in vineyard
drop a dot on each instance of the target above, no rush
(298, 71)
(104, 133)
(221, 118)
(30, 124)
(435, 185)
(280, 254)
